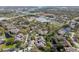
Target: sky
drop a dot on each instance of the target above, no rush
(39, 3)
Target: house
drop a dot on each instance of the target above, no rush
(40, 41)
(1, 41)
(62, 31)
(19, 37)
(14, 30)
(72, 24)
(64, 17)
(42, 32)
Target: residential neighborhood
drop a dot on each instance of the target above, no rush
(34, 29)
